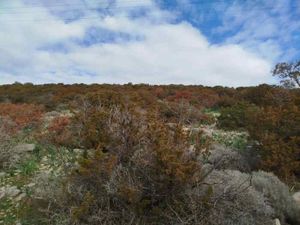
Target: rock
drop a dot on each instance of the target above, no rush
(52, 114)
(195, 129)
(30, 185)
(171, 125)
(2, 174)
(186, 129)
(296, 197)
(277, 222)
(2, 194)
(67, 113)
(78, 151)
(207, 130)
(44, 159)
(20, 197)
(12, 191)
(24, 148)
(20, 153)
(76, 165)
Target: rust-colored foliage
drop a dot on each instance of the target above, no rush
(273, 122)
(277, 131)
(139, 163)
(280, 156)
(102, 106)
(22, 115)
(159, 93)
(171, 157)
(139, 167)
(180, 95)
(93, 115)
(265, 95)
(59, 131)
(182, 112)
(206, 98)
(58, 124)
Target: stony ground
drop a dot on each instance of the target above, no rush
(38, 170)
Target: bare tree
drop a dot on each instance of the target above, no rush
(289, 73)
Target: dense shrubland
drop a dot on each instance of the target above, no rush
(272, 119)
(139, 172)
(141, 154)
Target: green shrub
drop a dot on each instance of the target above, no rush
(28, 167)
(236, 117)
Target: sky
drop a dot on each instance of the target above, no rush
(201, 42)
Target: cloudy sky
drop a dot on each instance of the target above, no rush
(208, 42)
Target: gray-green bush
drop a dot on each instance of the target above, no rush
(279, 196)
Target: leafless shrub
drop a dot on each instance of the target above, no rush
(139, 173)
(225, 158)
(183, 112)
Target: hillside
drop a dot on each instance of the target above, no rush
(143, 154)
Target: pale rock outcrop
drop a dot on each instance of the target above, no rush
(23, 148)
(296, 197)
(277, 222)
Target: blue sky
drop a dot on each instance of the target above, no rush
(208, 42)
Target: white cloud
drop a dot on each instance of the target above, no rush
(262, 27)
(168, 53)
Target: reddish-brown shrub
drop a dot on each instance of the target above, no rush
(183, 112)
(59, 131)
(181, 95)
(277, 130)
(159, 93)
(139, 166)
(22, 114)
(58, 124)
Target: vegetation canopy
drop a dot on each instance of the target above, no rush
(142, 154)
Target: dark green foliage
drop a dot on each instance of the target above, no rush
(236, 117)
